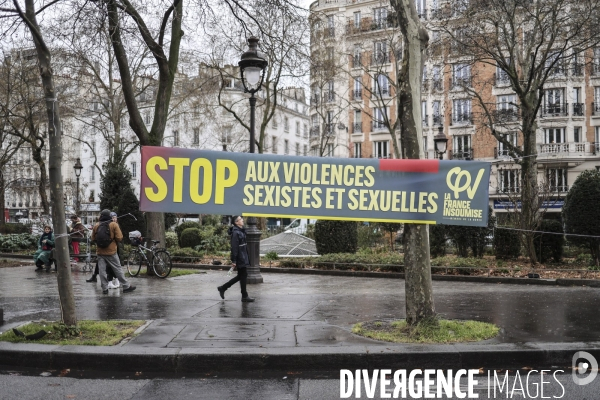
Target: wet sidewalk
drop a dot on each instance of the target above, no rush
(305, 315)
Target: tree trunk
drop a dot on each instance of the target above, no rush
(419, 290)
(2, 199)
(65, 285)
(530, 195)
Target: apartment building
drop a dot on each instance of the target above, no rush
(568, 123)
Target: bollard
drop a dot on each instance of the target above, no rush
(1, 316)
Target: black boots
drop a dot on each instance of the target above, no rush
(221, 292)
(92, 279)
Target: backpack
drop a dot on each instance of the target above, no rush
(103, 239)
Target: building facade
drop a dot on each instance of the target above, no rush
(359, 35)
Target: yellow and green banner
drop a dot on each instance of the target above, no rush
(411, 191)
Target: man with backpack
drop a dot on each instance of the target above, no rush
(107, 233)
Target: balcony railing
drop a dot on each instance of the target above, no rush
(462, 154)
(378, 126)
(555, 110)
(356, 61)
(501, 80)
(328, 129)
(437, 119)
(462, 119)
(506, 115)
(437, 84)
(456, 83)
(357, 94)
(328, 97)
(380, 57)
(554, 188)
(595, 108)
(508, 189)
(330, 32)
(314, 131)
(504, 152)
(379, 92)
(377, 24)
(578, 109)
(573, 147)
(425, 120)
(357, 127)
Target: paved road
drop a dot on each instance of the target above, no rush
(525, 313)
(16, 385)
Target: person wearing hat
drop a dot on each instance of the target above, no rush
(107, 252)
(239, 256)
(77, 234)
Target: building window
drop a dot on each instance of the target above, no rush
(175, 138)
(577, 134)
(133, 170)
(379, 118)
(330, 25)
(297, 149)
(380, 18)
(461, 147)
(286, 147)
(554, 102)
(512, 138)
(425, 149)
(330, 94)
(380, 54)
(286, 124)
(274, 122)
(557, 179)
(382, 86)
(92, 196)
(357, 150)
(555, 64)
(380, 149)
(305, 150)
(274, 145)
(554, 135)
(329, 150)
(461, 75)
(148, 119)
(93, 146)
(596, 61)
(297, 128)
(92, 173)
(437, 115)
(196, 135)
(461, 111)
(305, 130)
(508, 180)
(357, 20)
(356, 56)
(436, 74)
(506, 108)
(357, 93)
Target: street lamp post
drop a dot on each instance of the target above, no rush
(77, 167)
(252, 69)
(441, 142)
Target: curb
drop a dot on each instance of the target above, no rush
(392, 275)
(176, 360)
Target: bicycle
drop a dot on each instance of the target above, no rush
(161, 259)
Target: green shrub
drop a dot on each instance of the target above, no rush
(16, 242)
(549, 246)
(336, 236)
(368, 236)
(186, 255)
(10, 228)
(211, 219)
(292, 263)
(180, 228)
(437, 240)
(507, 244)
(212, 239)
(272, 256)
(190, 237)
(171, 238)
(384, 261)
(170, 220)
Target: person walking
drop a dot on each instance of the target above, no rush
(107, 234)
(113, 282)
(45, 245)
(77, 234)
(239, 256)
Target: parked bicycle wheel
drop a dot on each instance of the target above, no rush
(161, 264)
(134, 263)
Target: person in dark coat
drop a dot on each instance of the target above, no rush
(239, 256)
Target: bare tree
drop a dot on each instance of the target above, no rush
(23, 107)
(419, 290)
(528, 43)
(65, 285)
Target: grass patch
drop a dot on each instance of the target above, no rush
(175, 272)
(91, 333)
(435, 331)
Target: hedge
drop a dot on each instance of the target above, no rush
(336, 237)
